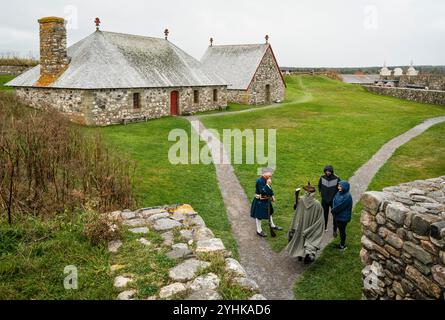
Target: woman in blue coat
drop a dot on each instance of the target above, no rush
(342, 211)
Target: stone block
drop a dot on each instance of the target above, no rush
(438, 272)
(423, 283)
(368, 221)
(438, 229)
(372, 200)
(418, 252)
(396, 212)
(421, 223)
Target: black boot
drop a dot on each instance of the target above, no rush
(262, 234)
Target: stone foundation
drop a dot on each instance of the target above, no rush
(112, 106)
(422, 96)
(403, 243)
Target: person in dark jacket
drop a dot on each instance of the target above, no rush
(342, 211)
(328, 188)
(261, 208)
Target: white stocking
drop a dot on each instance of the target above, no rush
(271, 222)
(258, 226)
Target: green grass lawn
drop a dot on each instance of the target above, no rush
(4, 78)
(34, 254)
(337, 275)
(158, 182)
(330, 123)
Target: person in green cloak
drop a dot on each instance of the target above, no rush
(308, 224)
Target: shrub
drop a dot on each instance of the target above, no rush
(99, 229)
(48, 165)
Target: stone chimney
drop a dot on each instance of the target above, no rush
(53, 54)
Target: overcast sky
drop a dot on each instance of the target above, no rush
(303, 33)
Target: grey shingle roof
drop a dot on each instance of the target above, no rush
(236, 64)
(113, 60)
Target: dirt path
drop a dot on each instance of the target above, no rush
(275, 272)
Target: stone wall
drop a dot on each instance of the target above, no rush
(192, 247)
(433, 81)
(403, 243)
(112, 106)
(418, 95)
(268, 73)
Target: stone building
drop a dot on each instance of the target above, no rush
(110, 78)
(251, 72)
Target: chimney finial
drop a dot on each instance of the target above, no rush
(166, 32)
(97, 22)
(267, 38)
(211, 42)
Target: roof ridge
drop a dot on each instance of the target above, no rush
(240, 45)
(132, 35)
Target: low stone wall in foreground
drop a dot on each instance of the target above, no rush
(403, 243)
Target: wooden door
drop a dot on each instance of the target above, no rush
(174, 103)
(268, 93)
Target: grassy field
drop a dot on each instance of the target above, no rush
(34, 254)
(4, 78)
(338, 274)
(331, 123)
(158, 182)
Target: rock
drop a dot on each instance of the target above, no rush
(428, 246)
(204, 295)
(421, 223)
(425, 270)
(187, 270)
(181, 217)
(372, 200)
(147, 213)
(158, 216)
(197, 221)
(115, 215)
(258, 297)
(368, 221)
(127, 215)
(438, 272)
(442, 256)
(415, 191)
(185, 209)
(396, 212)
(172, 290)
(235, 267)
(437, 230)
(152, 298)
(166, 224)
(246, 283)
(426, 285)
(143, 230)
(126, 295)
(394, 240)
(423, 199)
(186, 234)
(207, 282)
(121, 282)
(364, 257)
(135, 223)
(203, 234)
(179, 251)
(144, 241)
(168, 238)
(392, 251)
(210, 246)
(113, 246)
(418, 253)
(116, 267)
(380, 218)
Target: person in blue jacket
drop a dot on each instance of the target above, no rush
(262, 203)
(342, 211)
